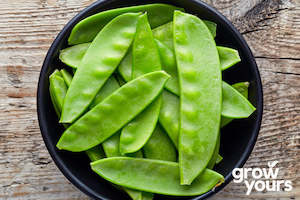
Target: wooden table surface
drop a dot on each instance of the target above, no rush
(27, 29)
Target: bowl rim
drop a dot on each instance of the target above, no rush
(68, 27)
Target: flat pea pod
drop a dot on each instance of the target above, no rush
(87, 29)
(111, 43)
(154, 176)
(153, 148)
(95, 153)
(236, 105)
(108, 88)
(242, 88)
(228, 57)
(200, 96)
(145, 59)
(58, 90)
(168, 62)
(67, 76)
(113, 112)
(73, 55)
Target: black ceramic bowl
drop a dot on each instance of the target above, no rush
(237, 139)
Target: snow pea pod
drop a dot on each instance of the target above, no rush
(145, 59)
(58, 90)
(87, 29)
(242, 88)
(168, 62)
(72, 56)
(169, 115)
(153, 148)
(111, 43)
(228, 57)
(154, 176)
(236, 105)
(200, 96)
(113, 112)
(67, 76)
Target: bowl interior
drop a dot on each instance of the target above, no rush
(237, 139)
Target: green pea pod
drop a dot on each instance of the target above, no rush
(111, 43)
(72, 56)
(87, 29)
(67, 76)
(167, 119)
(236, 105)
(158, 140)
(169, 115)
(58, 90)
(95, 153)
(113, 112)
(242, 88)
(108, 88)
(168, 62)
(228, 57)
(154, 176)
(145, 59)
(200, 96)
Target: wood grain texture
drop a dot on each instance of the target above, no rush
(27, 29)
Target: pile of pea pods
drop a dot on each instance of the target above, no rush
(143, 97)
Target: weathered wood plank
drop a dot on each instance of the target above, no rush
(27, 29)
